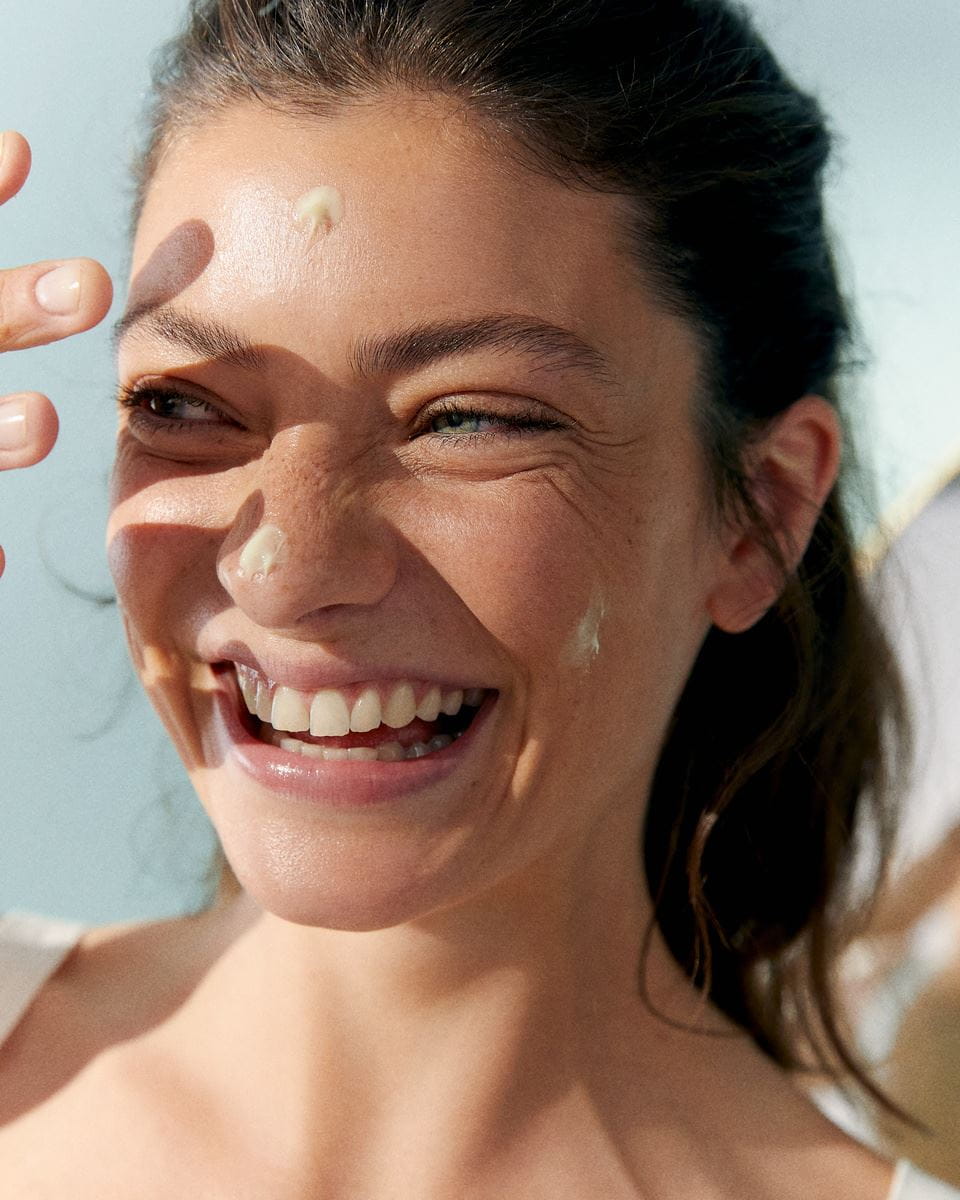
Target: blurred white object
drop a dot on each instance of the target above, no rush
(918, 586)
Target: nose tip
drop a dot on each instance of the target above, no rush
(264, 551)
(258, 558)
(281, 578)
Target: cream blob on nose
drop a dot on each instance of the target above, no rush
(262, 554)
(319, 210)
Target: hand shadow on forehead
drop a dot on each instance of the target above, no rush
(174, 264)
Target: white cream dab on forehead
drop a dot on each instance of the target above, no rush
(319, 210)
(262, 554)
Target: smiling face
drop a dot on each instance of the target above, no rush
(465, 429)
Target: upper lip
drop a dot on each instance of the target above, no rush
(331, 672)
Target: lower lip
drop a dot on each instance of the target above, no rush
(338, 784)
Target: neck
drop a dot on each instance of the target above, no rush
(467, 1047)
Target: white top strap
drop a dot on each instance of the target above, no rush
(911, 1184)
(31, 949)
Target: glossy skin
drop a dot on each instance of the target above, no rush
(483, 1036)
(414, 554)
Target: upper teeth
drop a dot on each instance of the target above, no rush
(333, 713)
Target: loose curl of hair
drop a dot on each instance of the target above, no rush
(786, 733)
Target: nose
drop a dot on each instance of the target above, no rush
(317, 542)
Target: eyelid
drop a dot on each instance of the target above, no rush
(527, 420)
(130, 395)
(503, 405)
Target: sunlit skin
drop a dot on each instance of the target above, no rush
(437, 996)
(405, 548)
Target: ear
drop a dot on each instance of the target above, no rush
(791, 469)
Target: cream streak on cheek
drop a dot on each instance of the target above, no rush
(584, 646)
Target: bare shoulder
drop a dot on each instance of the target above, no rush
(118, 982)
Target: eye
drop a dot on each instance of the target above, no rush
(459, 421)
(451, 420)
(168, 408)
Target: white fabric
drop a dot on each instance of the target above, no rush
(911, 1184)
(918, 589)
(32, 947)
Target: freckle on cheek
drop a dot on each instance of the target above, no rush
(263, 553)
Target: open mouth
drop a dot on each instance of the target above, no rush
(386, 722)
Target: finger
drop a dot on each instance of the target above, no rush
(15, 161)
(47, 301)
(28, 429)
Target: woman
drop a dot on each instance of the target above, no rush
(475, 524)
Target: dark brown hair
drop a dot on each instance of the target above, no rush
(785, 732)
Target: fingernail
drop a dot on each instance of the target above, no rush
(13, 424)
(58, 292)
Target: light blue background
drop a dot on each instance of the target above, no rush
(102, 826)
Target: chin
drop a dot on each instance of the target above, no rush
(354, 867)
(331, 885)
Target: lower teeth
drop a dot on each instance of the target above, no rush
(388, 752)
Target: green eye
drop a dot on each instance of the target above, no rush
(451, 421)
(461, 422)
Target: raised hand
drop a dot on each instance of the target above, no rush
(39, 303)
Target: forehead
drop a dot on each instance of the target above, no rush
(436, 219)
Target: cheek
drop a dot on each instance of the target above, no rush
(599, 598)
(595, 601)
(162, 557)
(163, 537)
(568, 580)
(521, 558)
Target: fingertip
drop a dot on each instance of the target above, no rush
(44, 425)
(16, 159)
(48, 301)
(28, 429)
(75, 292)
(14, 148)
(96, 290)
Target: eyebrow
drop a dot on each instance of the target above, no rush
(421, 345)
(403, 351)
(201, 334)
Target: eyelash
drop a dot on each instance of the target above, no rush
(531, 420)
(135, 400)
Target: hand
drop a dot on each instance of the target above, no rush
(40, 303)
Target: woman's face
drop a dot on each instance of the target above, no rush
(468, 430)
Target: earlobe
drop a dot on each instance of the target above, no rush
(791, 470)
